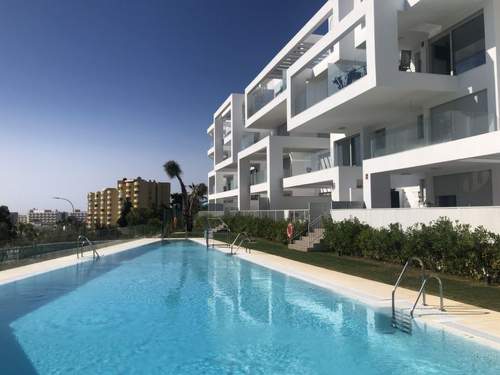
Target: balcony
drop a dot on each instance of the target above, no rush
(263, 94)
(445, 125)
(258, 177)
(453, 52)
(248, 139)
(211, 152)
(336, 67)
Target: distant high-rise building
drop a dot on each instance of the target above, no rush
(104, 206)
(144, 194)
(102, 210)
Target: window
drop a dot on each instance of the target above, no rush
(349, 152)
(460, 49)
(468, 45)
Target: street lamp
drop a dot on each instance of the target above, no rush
(67, 200)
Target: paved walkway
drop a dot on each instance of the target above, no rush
(473, 322)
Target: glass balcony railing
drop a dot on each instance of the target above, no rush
(308, 164)
(230, 185)
(259, 97)
(249, 139)
(446, 127)
(258, 177)
(335, 68)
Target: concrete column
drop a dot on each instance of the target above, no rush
(238, 123)
(243, 184)
(429, 189)
(382, 39)
(218, 141)
(275, 173)
(495, 181)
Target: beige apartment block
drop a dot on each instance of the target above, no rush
(143, 193)
(104, 206)
(103, 209)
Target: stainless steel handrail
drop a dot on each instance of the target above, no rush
(313, 226)
(81, 242)
(422, 291)
(242, 237)
(236, 240)
(396, 286)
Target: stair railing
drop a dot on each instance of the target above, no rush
(314, 233)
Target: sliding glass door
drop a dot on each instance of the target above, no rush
(459, 49)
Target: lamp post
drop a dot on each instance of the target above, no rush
(67, 200)
(72, 206)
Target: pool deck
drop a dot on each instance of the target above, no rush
(475, 323)
(18, 273)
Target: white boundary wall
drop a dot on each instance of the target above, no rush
(488, 217)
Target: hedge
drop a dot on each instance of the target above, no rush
(443, 245)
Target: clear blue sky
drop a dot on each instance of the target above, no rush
(95, 90)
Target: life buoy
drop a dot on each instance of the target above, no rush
(289, 230)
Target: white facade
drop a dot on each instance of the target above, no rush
(407, 94)
(44, 217)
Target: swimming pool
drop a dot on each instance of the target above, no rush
(182, 309)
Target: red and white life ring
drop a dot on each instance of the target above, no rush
(289, 230)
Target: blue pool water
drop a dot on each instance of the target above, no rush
(180, 309)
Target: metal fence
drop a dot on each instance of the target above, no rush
(49, 245)
(276, 215)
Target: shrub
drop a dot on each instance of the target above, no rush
(444, 246)
(342, 236)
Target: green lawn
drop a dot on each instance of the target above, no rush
(459, 289)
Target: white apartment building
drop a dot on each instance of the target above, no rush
(407, 94)
(44, 217)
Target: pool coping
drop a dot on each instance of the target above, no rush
(470, 322)
(18, 273)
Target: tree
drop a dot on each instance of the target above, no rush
(126, 208)
(190, 202)
(197, 194)
(173, 170)
(7, 229)
(27, 231)
(176, 201)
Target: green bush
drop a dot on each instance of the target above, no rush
(444, 246)
(342, 236)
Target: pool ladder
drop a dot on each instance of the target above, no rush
(401, 319)
(241, 239)
(81, 241)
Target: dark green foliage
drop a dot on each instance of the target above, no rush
(126, 209)
(7, 229)
(444, 246)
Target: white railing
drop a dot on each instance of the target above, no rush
(276, 215)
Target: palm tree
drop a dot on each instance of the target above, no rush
(173, 170)
(198, 192)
